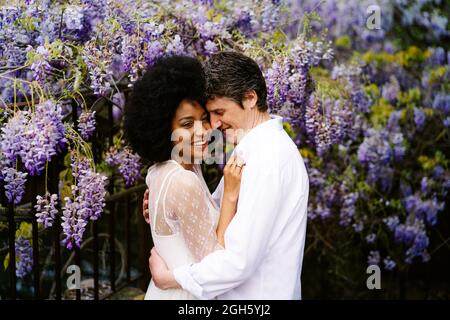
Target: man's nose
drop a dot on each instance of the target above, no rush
(216, 123)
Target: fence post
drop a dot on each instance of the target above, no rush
(35, 236)
(12, 250)
(146, 242)
(112, 245)
(53, 189)
(97, 157)
(127, 237)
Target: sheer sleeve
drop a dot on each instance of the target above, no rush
(186, 204)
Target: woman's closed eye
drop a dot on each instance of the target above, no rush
(217, 112)
(187, 124)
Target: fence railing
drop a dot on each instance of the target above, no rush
(136, 235)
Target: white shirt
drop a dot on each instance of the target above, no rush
(264, 242)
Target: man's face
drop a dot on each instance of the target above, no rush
(229, 117)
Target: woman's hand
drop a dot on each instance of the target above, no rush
(232, 178)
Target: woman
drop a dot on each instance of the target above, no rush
(185, 221)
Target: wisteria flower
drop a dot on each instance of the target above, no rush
(86, 124)
(46, 210)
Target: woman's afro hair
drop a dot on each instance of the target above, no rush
(154, 100)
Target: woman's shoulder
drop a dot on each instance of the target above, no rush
(159, 172)
(185, 179)
(179, 176)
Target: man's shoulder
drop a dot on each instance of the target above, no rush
(274, 149)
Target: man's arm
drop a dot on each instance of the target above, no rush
(246, 241)
(145, 211)
(161, 275)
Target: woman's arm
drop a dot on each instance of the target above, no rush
(227, 212)
(232, 181)
(186, 201)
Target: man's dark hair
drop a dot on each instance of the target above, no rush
(154, 100)
(231, 74)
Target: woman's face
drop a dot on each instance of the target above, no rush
(192, 126)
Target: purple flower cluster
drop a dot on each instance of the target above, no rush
(44, 137)
(352, 74)
(78, 165)
(14, 184)
(86, 202)
(348, 209)
(287, 79)
(373, 258)
(94, 12)
(425, 210)
(35, 137)
(72, 223)
(128, 162)
(323, 202)
(419, 118)
(12, 136)
(379, 151)
(175, 46)
(371, 238)
(98, 60)
(441, 102)
(413, 234)
(4, 163)
(327, 122)
(132, 59)
(73, 18)
(24, 257)
(40, 65)
(389, 264)
(249, 19)
(91, 195)
(86, 124)
(154, 52)
(46, 210)
(391, 90)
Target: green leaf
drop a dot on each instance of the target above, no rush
(381, 112)
(344, 42)
(6, 261)
(287, 127)
(25, 230)
(278, 37)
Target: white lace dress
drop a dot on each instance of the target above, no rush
(183, 219)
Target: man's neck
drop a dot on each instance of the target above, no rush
(260, 118)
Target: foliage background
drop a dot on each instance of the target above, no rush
(368, 109)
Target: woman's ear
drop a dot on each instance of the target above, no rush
(250, 100)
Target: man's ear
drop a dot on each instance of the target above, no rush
(250, 100)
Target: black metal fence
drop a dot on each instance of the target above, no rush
(123, 209)
(131, 198)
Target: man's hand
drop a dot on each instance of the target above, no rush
(161, 275)
(145, 207)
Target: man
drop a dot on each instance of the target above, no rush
(264, 243)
